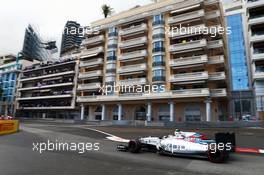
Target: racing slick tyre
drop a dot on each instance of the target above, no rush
(217, 156)
(134, 146)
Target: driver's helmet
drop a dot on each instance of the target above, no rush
(177, 131)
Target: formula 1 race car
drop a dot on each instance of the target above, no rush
(185, 144)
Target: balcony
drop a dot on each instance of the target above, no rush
(257, 36)
(188, 45)
(93, 40)
(92, 63)
(254, 4)
(47, 108)
(218, 92)
(91, 74)
(46, 86)
(89, 86)
(133, 42)
(141, 54)
(133, 30)
(188, 61)
(194, 30)
(215, 44)
(186, 93)
(92, 52)
(134, 81)
(210, 2)
(194, 76)
(186, 16)
(217, 76)
(258, 75)
(191, 93)
(212, 15)
(216, 59)
(132, 68)
(256, 19)
(47, 76)
(44, 97)
(258, 54)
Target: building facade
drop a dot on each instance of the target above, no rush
(241, 97)
(71, 37)
(48, 90)
(138, 48)
(9, 72)
(255, 10)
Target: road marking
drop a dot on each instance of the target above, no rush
(110, 136)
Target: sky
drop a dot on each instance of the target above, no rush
(49, 17)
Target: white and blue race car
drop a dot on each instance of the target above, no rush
(185, 144)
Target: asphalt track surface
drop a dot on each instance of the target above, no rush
(18, 158)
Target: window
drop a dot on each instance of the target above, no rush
(158, 44)
(158, 58)
(158, 19)
(159, 73)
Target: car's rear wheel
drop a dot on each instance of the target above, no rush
(217, 156)
(134, 146)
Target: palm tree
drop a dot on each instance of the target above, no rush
(1, 92)
(107, 10)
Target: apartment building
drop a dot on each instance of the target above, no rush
(134, 48)
(9, 72)
(255, 9)
(241, 100)
(48, 90)
(71, 40)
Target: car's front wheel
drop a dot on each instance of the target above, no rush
(134, 146)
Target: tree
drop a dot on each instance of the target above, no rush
(1, 92)
(107, 10)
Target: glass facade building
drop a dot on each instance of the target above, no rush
(242, 98)
(8, 77)
(237, 53)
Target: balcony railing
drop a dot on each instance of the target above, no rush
(257, 36)
(90, 74)
(213, 14)
(46, 86)
(47, 76)
(132, 55)
(216, 59)
(189, 60)
(133, 29)
(258, 19)
(189, 76)
(210, 2)
(253, 4)
(218, 92)
(191, 93)
(133, 42)
(186, 16)
(217, 76)
(133, 68)
(91, 63)
(133, 81)
(89, 86)
(93, 40)
(215, 44)
(193, 30)
(92, 52)
(45, 97)
(258, 75)
(188, 45)
(186, 93)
